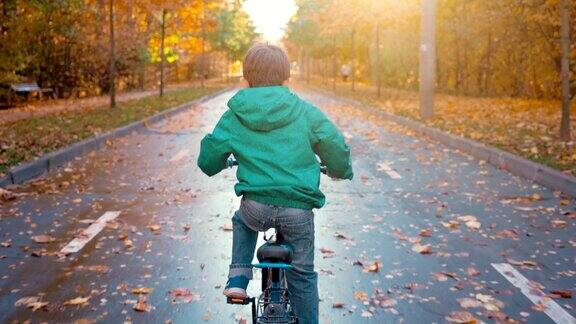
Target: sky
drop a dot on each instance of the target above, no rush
(270, 16)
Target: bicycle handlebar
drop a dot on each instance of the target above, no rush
(230, 163)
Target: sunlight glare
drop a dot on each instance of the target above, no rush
(270, 16)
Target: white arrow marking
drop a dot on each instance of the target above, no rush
(180, 155)
(391, 173)
(88, 234)
(558, 314)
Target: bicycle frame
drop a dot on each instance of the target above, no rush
(273, 305)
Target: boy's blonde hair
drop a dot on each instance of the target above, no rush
(266, 65)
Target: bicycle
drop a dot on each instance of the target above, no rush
(274, 257)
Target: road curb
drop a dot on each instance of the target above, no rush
(512, 163)
(53, 160)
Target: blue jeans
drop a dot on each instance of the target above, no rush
(297, 226)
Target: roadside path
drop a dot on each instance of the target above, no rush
(37, 109)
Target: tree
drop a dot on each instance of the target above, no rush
(162, 51)
(112, 58)
(565, 122)
(233, 33)
(484, 48)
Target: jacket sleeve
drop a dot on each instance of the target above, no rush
(331, 147)
(215, 149)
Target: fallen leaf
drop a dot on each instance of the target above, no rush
(154, 227)
(77, 301)
(425, 232)
(142, 305)
(461, 317)
(6, 195)
(469, 303)
(489, 302)
(558, 223)
(341, 236)
(43, 238)
(206, 316)
(526, 263)
(360, 295)
(101, 268)
(471, 271)
(561, 294)
(183, 296)
(366, 314)
(33, 302)
(443, 276)
(141, 290)
(470, 221)
(422, 249)
(226, 227)
(326, 253)
(385, 301)
(450, 225)
(374, 267)
(540, 307)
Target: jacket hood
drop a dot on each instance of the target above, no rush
(265, 108)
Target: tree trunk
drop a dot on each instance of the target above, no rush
(565, 122)
(352, 61)
(428, 59)
(301, 64)
(307, 58)
(112, 59)
(101, 15)
(488, 67)
(325, 72)
(203, 59)
(378, 72)
(144, 46)
(162, 52)
(9, 11)
(334, 67)
(227, 68)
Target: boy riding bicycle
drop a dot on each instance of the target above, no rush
(275, 136)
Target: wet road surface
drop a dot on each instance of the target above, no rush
(413, 238)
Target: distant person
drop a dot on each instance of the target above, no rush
(275, 137)
(346, 70)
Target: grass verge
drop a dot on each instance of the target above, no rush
(525, 127)
(27, 139)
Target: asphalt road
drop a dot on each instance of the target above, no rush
(413, 238)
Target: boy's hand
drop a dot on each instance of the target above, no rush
(324, 170)
(335, 178)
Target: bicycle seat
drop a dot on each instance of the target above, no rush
(275, 253)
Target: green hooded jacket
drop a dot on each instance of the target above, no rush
(275, 137)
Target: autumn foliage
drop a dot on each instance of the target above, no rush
(65, 44)
(485, 48)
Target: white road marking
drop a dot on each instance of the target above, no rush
(553, 310)
(89, 233)
(180, 155)
(391, 173)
